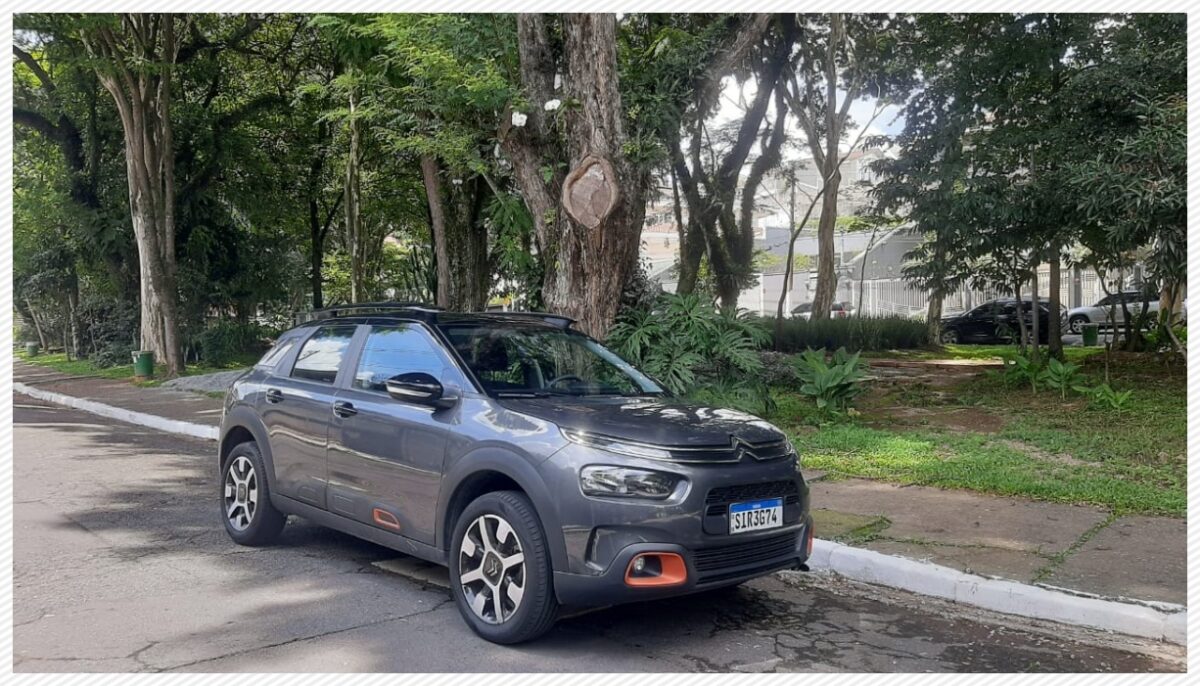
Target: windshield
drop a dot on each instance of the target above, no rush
(516, 360)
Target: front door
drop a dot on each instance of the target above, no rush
(385, 455)
(297, 411)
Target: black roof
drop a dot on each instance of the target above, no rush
(381, 312)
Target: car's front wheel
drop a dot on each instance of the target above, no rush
(500, 573)
(949, 336)
(250, 518)
(1075, 324)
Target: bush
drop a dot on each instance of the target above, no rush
(853, 333)
(694, 349)
(832, 384)
(223, 342)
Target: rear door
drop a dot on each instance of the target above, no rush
(297, 410)
(385, 455)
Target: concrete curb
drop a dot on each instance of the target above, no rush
(140, 418)
(1160, 621)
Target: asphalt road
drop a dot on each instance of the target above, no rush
(121, 564)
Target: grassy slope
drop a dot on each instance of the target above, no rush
(1132, 461)
(60, 362)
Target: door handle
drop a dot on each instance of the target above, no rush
(274, 395)
(342, 408)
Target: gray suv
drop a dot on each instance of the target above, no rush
(541, 468)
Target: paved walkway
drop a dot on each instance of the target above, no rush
(1067, 546)
(164, 402)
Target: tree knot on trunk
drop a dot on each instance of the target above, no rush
(590, 191)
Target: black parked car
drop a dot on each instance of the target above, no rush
(540, 467)
(996, 322)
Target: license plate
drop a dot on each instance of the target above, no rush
(755, 515)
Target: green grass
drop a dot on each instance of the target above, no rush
(59, 362)
(1134, 461)
(973, 352)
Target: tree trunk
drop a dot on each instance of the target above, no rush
(459, 240)
(437, 227)
(317, 250)
(1055, 332)
(826, 277)
(1036, 314)
(933, 320)
(691, 244)
(585, 268)
(353, 195)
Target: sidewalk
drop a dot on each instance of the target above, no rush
(1075, 548)
(1062, 546)
(163, 402)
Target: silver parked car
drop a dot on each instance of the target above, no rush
(1102, 312)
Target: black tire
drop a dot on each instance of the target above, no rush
(950, 336)
(1075, 324)
(538, 610)
(265, 522)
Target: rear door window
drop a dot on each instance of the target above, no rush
(322, 354)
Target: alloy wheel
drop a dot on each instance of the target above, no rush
(491, 569)
(241, 493)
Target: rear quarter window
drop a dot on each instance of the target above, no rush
(275, 354)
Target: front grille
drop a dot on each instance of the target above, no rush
(714, 562)
(734, 452)
(718, 499)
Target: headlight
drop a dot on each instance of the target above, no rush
(624, 482)
(616, 446)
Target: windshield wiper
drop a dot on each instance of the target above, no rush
(522, 394)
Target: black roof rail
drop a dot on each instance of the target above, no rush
(423, 310)
(559, 320)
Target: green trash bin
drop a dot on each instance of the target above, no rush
(32, 349)
(143, 364)
(1091, 334)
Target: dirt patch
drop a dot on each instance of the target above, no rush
(1041, 455)
(958, 419)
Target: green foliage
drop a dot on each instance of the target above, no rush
(694, 349)
(852, 333)
(1103, 396)
(832, 384)
(1020, 370)
(222, 342)
(1061, 376)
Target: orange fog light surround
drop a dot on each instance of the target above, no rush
(671, 571)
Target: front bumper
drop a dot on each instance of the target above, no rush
(603, 535)
(776, 551)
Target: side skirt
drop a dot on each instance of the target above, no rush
(354, 528)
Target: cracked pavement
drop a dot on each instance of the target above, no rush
(121, 564)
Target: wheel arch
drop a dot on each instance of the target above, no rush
(242, 425)
(489, 470)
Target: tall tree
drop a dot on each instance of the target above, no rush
(842, 59)
(135, 61)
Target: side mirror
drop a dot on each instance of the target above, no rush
(420, 388)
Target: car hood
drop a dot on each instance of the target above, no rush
(655, 421)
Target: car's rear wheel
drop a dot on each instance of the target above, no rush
(1075, 324)
(246, 509)
(500, 573)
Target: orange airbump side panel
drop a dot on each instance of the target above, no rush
(385, 519)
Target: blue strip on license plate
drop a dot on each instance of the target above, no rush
(755, 505)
